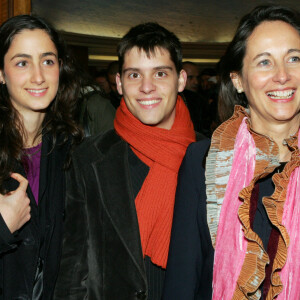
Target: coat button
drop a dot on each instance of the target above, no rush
(28, 241)
(140, 294)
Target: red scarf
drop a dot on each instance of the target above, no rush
(162, 150)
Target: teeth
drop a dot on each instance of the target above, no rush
(36, 91)
(281, 94)
(149, 102)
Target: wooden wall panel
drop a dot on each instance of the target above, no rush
(10, 8)
(3, 10)
(21, 7)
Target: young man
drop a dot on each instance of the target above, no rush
(121, 187)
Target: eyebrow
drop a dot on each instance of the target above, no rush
(269, 54)
(261, 54)
(156, 69)
(23, 55)
(294, 50)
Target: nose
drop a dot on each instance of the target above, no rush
(282, 74)
(147, 85)
(37, 75)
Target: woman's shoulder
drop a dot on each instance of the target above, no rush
(193, 164)
(198, 150)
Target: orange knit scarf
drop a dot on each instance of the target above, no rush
(162, 150)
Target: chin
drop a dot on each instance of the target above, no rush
(286, 117)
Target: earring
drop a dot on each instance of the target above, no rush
(239, 91)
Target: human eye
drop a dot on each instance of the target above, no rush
(48, 62)
(294, 59)
(134, 75)
(264, 62)
(22, 63)
(161, 74)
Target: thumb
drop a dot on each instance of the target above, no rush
(22, 180)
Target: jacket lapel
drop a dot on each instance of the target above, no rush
(112, 175)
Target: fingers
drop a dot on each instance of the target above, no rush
(22, 180)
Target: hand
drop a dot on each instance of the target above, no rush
(15, 205)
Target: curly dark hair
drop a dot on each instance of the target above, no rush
(232, 61)
(60, 115)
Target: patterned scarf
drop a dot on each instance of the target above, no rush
(235, 164)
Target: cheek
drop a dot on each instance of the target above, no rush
(296, 74)
(14, 79)
(54, 75)
(130, 88)
(168, 87)
(257, 82)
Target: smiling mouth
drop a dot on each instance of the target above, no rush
(148, 102)
(277, 95)
(36, 91)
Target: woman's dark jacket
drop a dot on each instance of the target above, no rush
(38, 242)
(190, 262)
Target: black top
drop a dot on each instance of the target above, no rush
(155, 274)
(262, 224)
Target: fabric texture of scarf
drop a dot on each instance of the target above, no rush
(162, 150)
(240, 258)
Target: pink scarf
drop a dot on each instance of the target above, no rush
(290, 274)
(231, 245)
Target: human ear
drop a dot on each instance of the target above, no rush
(119, 84)
(2, 80)
(237, 82)
(182, 80)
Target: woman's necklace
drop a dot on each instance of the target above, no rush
(32, 151)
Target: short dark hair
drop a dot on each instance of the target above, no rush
(148, 37)
(101, 73)
(113, 68)
(187, 62)
(232, 61)
(209, 72)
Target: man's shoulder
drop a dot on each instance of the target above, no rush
(94, 147)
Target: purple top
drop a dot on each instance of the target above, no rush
(32, 163)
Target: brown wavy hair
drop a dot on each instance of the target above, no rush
(60, 115)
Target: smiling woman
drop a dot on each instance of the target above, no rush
(38, 101)
(31, 73)
(242, 216)
(270, 79)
